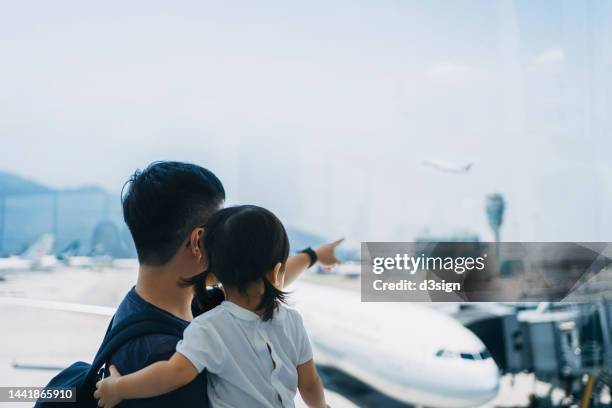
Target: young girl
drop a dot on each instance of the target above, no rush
(254, 348)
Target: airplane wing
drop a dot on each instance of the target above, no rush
(55, 305)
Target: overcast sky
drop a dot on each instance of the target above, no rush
(323, 111)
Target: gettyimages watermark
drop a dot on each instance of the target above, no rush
(485, 271)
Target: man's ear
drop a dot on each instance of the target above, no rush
(195, 241)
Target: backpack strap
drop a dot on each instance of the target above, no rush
(133, 326)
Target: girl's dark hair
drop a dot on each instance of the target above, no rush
(243, 244)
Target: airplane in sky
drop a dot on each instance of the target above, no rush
(37, 257)
(448, 167)
(410, 352)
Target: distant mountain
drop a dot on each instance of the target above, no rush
(85, 189)
(77, 214)
(29, 209)
(14, 184)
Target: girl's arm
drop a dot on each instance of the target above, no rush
(310, 385)
(296, 264)
(157, 379)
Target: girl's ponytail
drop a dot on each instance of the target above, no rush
(270, 299)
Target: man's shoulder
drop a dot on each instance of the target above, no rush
(133, 303)
(146, 350)
(142, 351)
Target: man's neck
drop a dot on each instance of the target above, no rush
(158, 286)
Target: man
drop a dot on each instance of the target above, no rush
(166, 208)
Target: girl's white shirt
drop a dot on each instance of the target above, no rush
(250, 363)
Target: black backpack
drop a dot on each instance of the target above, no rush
(82, 376)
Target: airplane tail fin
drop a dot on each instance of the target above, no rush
(40, 248)
(72, 249)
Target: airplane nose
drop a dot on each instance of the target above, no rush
(486, 382)
(473, 385)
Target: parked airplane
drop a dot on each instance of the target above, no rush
(410, 352)
(350, 269)
(36, 257)
(69, 257)
(101, 261)
(448, 167)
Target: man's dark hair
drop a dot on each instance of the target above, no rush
(243, 244)
(164, 203)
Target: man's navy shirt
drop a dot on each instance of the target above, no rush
(144, 351)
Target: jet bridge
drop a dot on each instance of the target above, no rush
(562, 344)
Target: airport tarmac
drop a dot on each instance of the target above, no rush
(48, 339)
